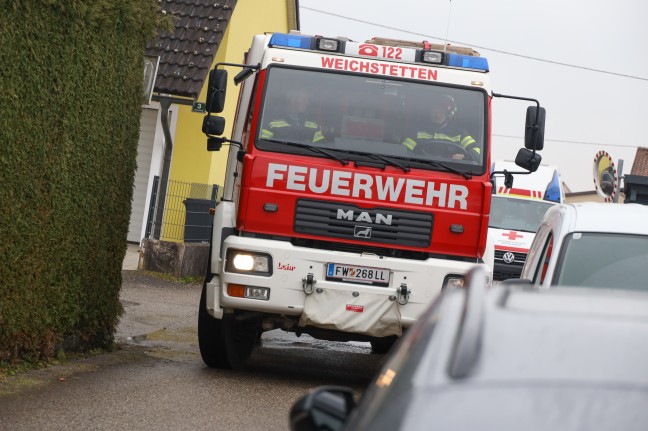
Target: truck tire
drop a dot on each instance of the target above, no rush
(382, 345)
(241, 336)
(210, 336)
(227, 342)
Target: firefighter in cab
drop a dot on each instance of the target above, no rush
(438, 137)
(294, 121)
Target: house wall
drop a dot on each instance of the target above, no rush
(191, 162)
(142, 186)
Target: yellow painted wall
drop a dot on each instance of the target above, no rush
(191, 162)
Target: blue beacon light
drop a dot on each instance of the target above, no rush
(291, 41)
(468, 62)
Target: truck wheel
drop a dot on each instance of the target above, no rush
(382, 345)
(240, 339)
(210, 336)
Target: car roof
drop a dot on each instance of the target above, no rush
(501, 355)
(606, 217)
(529, 334)
(568, 336)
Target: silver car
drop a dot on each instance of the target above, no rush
(504, 358)
(591, 245)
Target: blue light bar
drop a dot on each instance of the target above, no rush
(553, 189)
(468, 62)
(291, 41)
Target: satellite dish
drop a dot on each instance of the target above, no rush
(606, 179)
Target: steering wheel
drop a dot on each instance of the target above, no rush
(444, 148)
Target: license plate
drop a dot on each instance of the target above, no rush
(357, 274)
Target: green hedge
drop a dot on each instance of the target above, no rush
(70, 104)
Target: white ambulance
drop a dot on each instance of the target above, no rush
(517, 210)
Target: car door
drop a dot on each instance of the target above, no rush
(534, 257)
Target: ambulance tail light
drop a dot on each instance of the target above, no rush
(433, 57)
(467, 62)
(331, 45)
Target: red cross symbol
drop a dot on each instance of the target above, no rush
(512, 235)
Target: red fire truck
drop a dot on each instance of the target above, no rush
(344, 211)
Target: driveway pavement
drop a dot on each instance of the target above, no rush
(131, 259)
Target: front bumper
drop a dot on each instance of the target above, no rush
(296, 268)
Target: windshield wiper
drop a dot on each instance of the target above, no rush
(313, 149)
(390, 161)
(442, 165)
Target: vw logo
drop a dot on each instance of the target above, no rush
(508, 257)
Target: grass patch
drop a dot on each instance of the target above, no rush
(173, 279)
(19, 367)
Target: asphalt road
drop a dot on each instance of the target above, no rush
(157, 380)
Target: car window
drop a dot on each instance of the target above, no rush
(603, 260)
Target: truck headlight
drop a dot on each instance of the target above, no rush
(248, 262)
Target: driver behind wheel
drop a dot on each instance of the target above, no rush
(460, 144)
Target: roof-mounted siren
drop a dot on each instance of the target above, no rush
(606, 178)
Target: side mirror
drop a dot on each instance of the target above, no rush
(215, 144)
(508, 180)
(534, 130)
(243, 75)
(527, 159)
(324, 408)
(213, 125)
(216, 87)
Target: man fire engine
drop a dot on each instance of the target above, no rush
(329, 225)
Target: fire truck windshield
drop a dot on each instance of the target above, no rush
(416, 122)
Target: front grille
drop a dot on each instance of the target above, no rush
(333, 245)
(380, 225)
(518, 260)
(505, 274)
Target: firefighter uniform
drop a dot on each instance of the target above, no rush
(293, 129)
(449, 134)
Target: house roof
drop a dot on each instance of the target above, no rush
(187, 53)
(640, 165)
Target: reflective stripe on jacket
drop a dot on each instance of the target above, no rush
(283, 125)
(467, 142)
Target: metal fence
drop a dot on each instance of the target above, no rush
(179, 211)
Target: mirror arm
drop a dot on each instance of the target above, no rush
(523, 98)
(224, 140)
(243, 74)
(215, 143)
(253, 67)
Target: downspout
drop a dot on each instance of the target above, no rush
(165, 104)
(292, 7)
